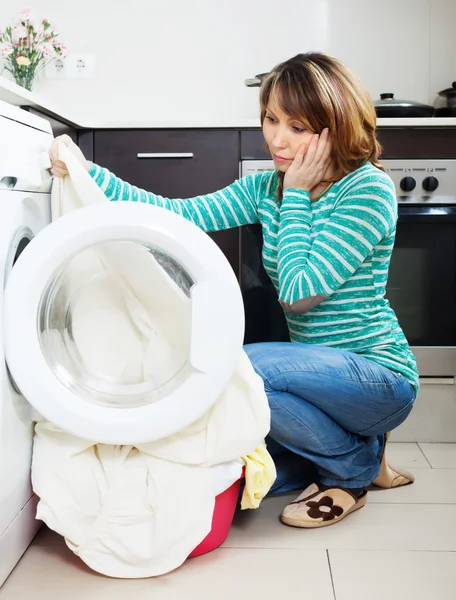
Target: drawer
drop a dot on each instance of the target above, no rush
(172, 163)
(212, 165)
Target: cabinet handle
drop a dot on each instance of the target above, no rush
(164, 155)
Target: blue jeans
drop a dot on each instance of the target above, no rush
(330, 409)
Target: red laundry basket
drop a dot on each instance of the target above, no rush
(225, 506)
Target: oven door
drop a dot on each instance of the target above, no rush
(421, 288)
(422, 285)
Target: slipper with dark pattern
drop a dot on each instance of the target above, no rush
(318, 506)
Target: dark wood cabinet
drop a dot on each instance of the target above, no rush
(253, 146)
(175, 163)
(417, 143)
(397, 142)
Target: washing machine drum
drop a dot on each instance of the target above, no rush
(123, 323)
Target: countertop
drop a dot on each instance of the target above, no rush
(14, 94)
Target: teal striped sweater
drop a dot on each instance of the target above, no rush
(328, 259)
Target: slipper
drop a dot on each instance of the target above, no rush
(389, 476)
(318, 506)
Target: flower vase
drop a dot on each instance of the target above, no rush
(25, 79)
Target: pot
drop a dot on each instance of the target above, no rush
(256, 81)
(388, 106)
(445, 104)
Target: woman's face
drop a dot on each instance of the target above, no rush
(283, 135)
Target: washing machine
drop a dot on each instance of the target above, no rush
(24, 211)
(42, 361)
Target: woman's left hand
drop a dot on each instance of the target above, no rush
(310, 163)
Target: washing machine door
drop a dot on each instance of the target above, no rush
(59, 312)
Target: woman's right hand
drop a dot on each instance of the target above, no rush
(58, 167)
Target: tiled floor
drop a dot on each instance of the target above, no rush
(402, 546)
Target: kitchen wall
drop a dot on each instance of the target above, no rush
(186, 60)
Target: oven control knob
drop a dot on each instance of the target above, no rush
(408, 184)
(430, 184)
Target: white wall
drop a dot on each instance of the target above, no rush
(186, 60)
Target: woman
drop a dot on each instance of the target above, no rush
(328, 214)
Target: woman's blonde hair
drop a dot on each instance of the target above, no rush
(320, 91)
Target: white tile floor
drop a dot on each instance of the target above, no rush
(402, 546)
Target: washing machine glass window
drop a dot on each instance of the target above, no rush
(19, 243)
(24, 242)
(114, 324)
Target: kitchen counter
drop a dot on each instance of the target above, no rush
(14, 94)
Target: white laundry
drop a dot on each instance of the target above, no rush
(136, 511)
(124, 513)
(236, 425)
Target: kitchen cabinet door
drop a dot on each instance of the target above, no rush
(253, 146)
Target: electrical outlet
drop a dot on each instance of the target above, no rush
(80, 66)
(74, 66)
(57, 69)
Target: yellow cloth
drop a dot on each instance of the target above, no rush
(260, 474)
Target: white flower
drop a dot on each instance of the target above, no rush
(19, 33)
(6, 49)
(23, 60)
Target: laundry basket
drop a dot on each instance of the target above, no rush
(222, 518)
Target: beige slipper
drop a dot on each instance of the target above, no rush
(319, 507)
(389, 476)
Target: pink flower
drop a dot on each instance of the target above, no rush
(60, 48)
(19, 32)
(6, 49)
(46, 48)
(31, 37)
(26, 13)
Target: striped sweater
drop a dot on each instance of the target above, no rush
(328, 259)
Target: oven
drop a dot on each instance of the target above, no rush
(422, 280)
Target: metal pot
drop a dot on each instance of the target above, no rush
(256, 81)
(445, 104)
(388, 107)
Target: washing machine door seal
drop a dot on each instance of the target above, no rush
(217, 322)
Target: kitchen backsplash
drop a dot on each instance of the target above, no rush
(186, 60)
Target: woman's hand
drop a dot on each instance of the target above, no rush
(310, 163)
(58, 167)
